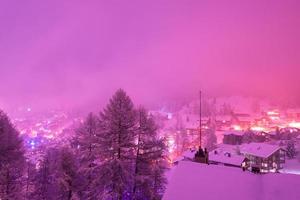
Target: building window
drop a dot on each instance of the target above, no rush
(273, 170)
(265, 164)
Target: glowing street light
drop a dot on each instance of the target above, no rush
(237, 127)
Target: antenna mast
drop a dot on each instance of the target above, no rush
(200, 120)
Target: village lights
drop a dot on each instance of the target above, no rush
(257, 128)
(237, 127)
(294, 124)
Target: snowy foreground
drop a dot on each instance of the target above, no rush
(191, 181)
(291, 167)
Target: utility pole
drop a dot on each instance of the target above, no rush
(200, 120)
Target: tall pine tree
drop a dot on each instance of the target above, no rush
(30, 175)
(158, 169)
(117, 142)
(12, 160)
(57, 176)
(142, 172)
(68, 179)
(86, 143)
(46, 185)
(290, 149)
(149, 180)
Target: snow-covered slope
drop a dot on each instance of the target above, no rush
(194, 181)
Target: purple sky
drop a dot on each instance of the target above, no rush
(74, 52)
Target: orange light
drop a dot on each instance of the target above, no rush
(237, 127)
(171, 145)
(33, 133)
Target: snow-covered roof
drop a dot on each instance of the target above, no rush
(262, 150)
(221, 156)
(189, 154)
(228, 148)
(234, 132)
(193, 181)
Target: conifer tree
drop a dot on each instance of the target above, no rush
(142, 172)
(30, 175)
(67, 175)
(158, 169)
(46, 186)
(57, 176)
(117, 142)
(86, 147)
(149, 171)
(12, 160)
(291, 150)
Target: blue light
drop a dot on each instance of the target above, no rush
(32, 144)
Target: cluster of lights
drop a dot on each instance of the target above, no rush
(237, 127)
(274, 116)
(40, 129)
(171, 144)
(268, 122)
(32, 144)
(50, 136)
(294, 125)
(273, 113)
(258, 128)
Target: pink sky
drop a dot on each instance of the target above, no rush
(73, 52)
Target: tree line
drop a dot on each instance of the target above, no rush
(114, 155)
